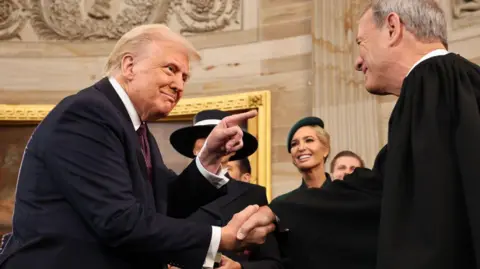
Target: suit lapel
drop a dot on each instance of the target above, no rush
(235, 189)
(213, 208)
(107, 89)
(161, 175)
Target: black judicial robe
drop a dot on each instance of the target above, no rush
(335, 226)
(430, 216)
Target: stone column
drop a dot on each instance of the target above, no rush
(350, 113)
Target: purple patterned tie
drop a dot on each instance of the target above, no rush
(142, 136)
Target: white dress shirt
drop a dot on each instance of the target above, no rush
(437, 52)
(216, 180)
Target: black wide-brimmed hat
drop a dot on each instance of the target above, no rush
(183, 140)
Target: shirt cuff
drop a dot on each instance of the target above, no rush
(213, 248)
(216, 180)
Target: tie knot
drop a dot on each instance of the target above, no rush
(142, 130)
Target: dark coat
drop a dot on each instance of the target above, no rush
(431, 206)
(83, 199)
(302, 186)
(333, 227)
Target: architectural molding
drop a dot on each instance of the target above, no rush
(72, 20)
(462, 16)
(466, 8)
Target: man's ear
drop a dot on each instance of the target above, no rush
(246, 177)
(126, 66)
(394, 27)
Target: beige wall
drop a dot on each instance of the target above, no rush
(349, 112)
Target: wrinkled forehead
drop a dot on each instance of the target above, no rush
(365, 22)
(166, 51)
(366, 15)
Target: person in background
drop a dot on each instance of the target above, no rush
(189, 141)
(309, 145)
(240, 170)
(344, 163)
(324, 224)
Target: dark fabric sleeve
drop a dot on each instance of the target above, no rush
(431, 207)
(189, 191)
(88, 162)
(267, 255)
(467, 153)
(332, 227)
(466, 135)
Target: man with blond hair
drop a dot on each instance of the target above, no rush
(93, 191)
(430, 210)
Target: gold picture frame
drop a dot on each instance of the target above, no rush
(259, 126)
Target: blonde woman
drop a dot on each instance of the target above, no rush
(309, 145)
(325, 224)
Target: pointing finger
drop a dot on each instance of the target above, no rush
(236, 119)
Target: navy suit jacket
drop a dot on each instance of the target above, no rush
(84, 201)
(219, 212)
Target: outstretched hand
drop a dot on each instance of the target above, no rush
(258, 224)
(246, 228)
(224, 139)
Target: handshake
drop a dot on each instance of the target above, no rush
(250, 226)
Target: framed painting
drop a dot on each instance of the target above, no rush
(17, 122)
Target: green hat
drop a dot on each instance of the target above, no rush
(308, 121)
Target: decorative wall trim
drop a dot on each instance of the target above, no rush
(21, 113)
(464, 13)
(466, 8)
(206, 16)
(235, 102)
(71, 28)
(74, 20)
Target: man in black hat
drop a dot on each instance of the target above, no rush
(189, 141)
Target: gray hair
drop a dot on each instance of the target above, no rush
(423, 18)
